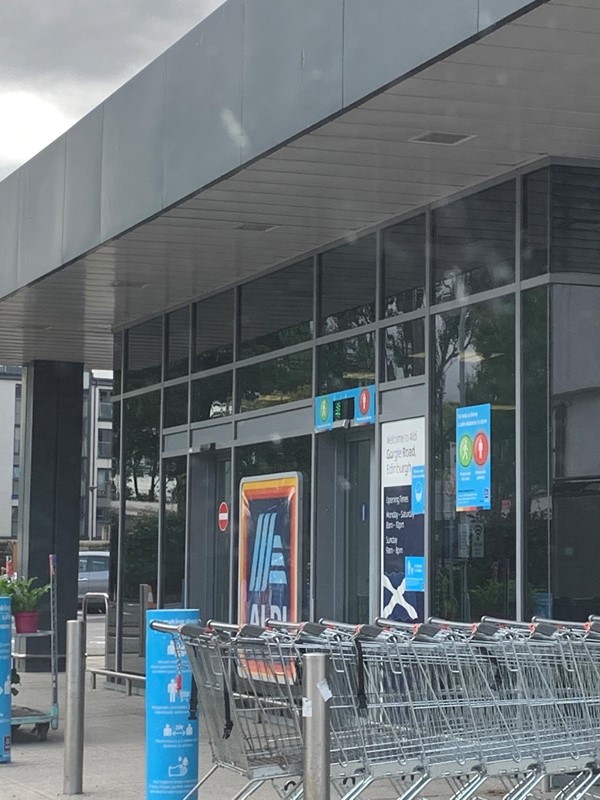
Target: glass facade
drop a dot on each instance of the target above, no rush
(488, 299)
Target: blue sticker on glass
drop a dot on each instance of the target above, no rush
(418, 490)
(473, 458)
(5, 679)
(414, 567)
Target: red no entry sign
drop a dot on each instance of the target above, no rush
(223, 516)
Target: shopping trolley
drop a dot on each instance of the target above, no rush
(499, 700)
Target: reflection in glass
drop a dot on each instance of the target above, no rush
(474, 243)
(280, 380)
(404, 350)
(276, 311)
(575, 419)
(474, 364)
(211, 397)
(535, 233)
(140, 541)
(175, 405)
(404, 267)
(269, 458)
(575, 219)
(348, 285)
(213, 332)
(175, 494)
(144, 354)
(346, 364)
(535, 343)
(117, 362)
(177, 334)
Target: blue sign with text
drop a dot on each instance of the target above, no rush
(171, 736)
(5, 679)
(418, 490)
(473, 458)
(414, 569)
(355, 405)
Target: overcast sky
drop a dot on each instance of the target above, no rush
(60, 58)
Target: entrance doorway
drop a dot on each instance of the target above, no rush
(356, 540)
(344, 572)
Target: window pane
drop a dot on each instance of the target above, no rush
(474, 243)
(535, 339)
(346, 364)
(404, 350)
(280, 380)
(575, 230)
(144, 354)
(213, 334)
(404, 267)
(348, 285)
(276, 311)
(211, 397)
(178, 345)
(175, 494)
(474, 364)
(175, 405)
(534, 246)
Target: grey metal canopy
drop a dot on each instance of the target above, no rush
(275, 127)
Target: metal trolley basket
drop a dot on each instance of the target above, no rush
(466, 704)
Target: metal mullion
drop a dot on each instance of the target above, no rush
(351, 333)
(313, 448)
(474, 299)
(520, 572)
(376, 545)
(409, 316)
(272, 355)
(120, 539)
(429, 439)
(161, 493)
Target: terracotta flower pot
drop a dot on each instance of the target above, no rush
(26, 621)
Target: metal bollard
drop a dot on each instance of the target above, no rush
(75, 668)
(315, 713)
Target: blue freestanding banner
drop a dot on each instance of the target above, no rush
(171, 736)
(5, 682)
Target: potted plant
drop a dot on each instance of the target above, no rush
(25, 597)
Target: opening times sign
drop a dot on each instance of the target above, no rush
(473, 458)
(403, 479)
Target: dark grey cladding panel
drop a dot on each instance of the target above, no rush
(42, 198)
(275, 426)
(203, 125)
(410, 401)
(132, 154)
(9, 225)
(388, 38)
(292, 69)
(176, 442)
(81, 227)
(215, 436)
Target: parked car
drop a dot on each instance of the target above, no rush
(93, 575)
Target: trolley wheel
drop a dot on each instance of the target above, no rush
(41, 729)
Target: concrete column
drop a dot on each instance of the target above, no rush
(50, 494)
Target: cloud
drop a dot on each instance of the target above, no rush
(60, 58)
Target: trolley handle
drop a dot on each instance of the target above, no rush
(165, 627)
(559, 623)
(394, 624)
(507, 623)
(214, 625)
(296, 628)
(469, 627)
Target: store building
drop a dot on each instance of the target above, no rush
(349, 263)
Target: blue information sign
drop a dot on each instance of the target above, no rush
(414, 567)
(5, 682)
(171, 736)
(356, 405)
(418, 490)
(473, 458)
